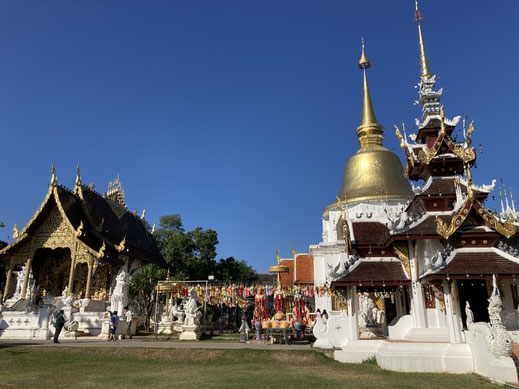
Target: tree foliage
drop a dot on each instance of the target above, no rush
(142, 288)
(191, 254)
(232, 270)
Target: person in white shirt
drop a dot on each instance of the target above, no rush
(128, 315)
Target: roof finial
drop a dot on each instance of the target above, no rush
(278, 257)
(369, 132)
(54, 178)
(294, 252)
(423, 57)
(78, 176)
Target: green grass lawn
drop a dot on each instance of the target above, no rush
(55, 367)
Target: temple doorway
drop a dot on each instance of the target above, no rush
(51, 270)
(377, 307)
(476, 293)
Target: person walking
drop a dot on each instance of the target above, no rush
(129, 320)
(114, 322)
(58, 325)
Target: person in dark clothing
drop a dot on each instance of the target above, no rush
(60, 322)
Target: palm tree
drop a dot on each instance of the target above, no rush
(142, 288)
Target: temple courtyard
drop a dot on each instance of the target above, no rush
(161, 364)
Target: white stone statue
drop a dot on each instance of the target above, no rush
(368, 315)
(500, 343)
(20, 276)
(179, 313)
(64, 292)
(119, 298)
(191, 309)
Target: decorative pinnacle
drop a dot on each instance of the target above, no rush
(54, 179)
(423, 57)
(368, 114)
(369, 131)
(278, 257)
(364, 62)
(78, 176)
(294, 252)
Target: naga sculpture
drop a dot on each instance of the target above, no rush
(500, 342)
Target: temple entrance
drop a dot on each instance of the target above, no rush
(476, 293)
(376, 309)
(80, 278)
(51, 270)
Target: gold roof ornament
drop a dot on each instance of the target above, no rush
(78, 176)
(121, 246)
(294, 252)
(153, 228)
(54, 178)
(116, 193)
(423, 57)
(16, 233)
(279, 268)
(373, 172)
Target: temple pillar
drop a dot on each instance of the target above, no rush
(71, 275)
(28, 265)
(9, 278)
(452, 321)
(89, 278)
(352, 313)
(419, 313)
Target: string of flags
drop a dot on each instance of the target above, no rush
(235, 294)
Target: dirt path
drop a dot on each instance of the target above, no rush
(93, 342)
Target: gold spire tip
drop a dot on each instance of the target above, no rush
(423, 57)
(363, 62)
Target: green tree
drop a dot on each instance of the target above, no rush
(142, 289)
(191, 253)
(231, 270)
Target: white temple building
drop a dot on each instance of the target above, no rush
(423, 277)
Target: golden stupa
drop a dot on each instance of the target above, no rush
(373, 172)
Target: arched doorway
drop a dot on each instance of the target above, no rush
(51, 270)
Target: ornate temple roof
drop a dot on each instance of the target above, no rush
(370, 271)
(95, 222)
(482, 262)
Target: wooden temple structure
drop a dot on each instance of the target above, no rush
(76, 243)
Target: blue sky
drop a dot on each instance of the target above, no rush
(239, 115)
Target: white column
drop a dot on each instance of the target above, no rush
(452, 321)
(417, 296)
(352, 313)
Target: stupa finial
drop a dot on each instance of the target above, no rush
(423, 57)
(369, 131)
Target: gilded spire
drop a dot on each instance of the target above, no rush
(423, 57)
(369, 132)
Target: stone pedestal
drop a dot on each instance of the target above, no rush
(164, 326)
(27, 325)
(90, 323)
(191, 332)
